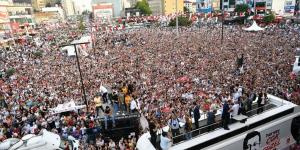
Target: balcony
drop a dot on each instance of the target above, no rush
(19, 13)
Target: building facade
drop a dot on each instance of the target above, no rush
(20, 13)
(204, 6)
(68, 6)
(169, 6)
(156, 7)
(215, 4)
(190, 5)
(103, 13)
(38, 4)
(117, 6)
(4, 19)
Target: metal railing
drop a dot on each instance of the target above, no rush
(215, 126)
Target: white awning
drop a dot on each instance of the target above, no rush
(254, 27)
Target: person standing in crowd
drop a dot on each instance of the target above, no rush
(211, 119)
(98, 104)
(251, 98)
(121, 102)
(133, 105)
(104, 92)
(111, 145)
(196, 113)
(226, 115)
(188, 127)
(235, 109)
(262, 100)
(108, 114)
(115, 101)
(174, 125)
(165, 141)
(153, 131)
(243, 105)
(128, 99)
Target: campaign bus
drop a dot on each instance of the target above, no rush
(276, 128)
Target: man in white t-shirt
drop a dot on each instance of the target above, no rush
(104, 91)
(165, 142)
(235, 109)
(133, 106)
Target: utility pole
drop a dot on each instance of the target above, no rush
(80, 74)
(177, 31)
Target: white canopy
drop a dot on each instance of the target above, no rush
(253, 27)
(70, 106)
(81, 49)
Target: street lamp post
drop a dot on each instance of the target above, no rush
(177, 31)
(80, 74)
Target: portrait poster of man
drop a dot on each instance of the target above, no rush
(252, 141)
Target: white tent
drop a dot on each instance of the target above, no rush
(70, 50)
(254, 27)
(70, 106)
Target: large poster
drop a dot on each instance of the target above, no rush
(204, 6)
(250, 3)
(280, 136)
(103, 12)
(3, 15)
(289, 6)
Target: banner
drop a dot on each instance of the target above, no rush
(289, 6)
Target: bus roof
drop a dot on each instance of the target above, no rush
(282, 108)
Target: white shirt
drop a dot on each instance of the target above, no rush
(133, 105)
(103, 89)
(235, 109)
(164, 143)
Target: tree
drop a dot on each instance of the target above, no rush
(241, 8)
(81, 25)
(185, 9)
(9, 72)
(143, 6)
(86, 12)
(182, 21)
(269, 18)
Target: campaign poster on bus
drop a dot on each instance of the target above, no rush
(284, 136)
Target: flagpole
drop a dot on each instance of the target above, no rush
(177, 32)
(80, 74)
(222, 22)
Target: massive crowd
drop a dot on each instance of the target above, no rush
(149, 70)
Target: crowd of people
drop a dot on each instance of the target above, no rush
(167, 78)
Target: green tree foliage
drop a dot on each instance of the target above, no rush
(269, 18)
(143, 6)
(185, 9)
(182, 21)
(9, 72)
(241, 8)
(81, 25)
(38, 54)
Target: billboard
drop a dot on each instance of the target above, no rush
(289, 6)
(3, 15)
(103, 12)
(204, 6)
